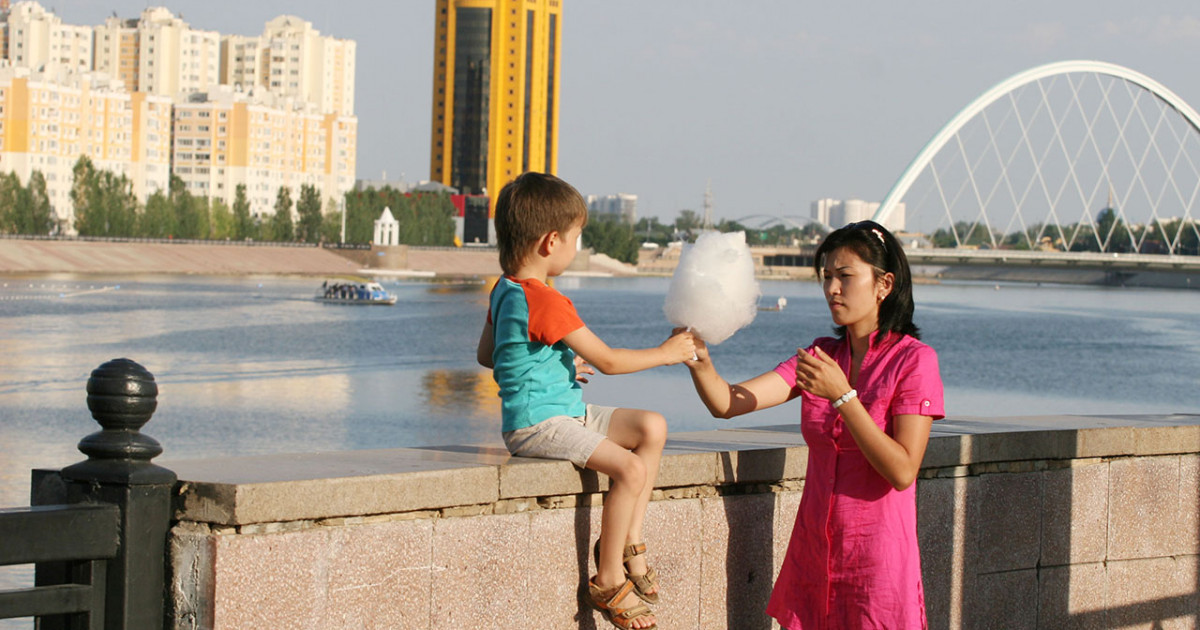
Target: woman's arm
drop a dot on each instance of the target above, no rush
(896, 458)
(727, 401)
(585, 343)
(483, 354)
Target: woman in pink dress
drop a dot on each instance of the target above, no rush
(868, 398)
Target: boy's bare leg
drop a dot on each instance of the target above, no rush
(627, 478)
(645, 433)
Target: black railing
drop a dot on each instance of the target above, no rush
(97, 531)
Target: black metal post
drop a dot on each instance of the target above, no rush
(122, 396)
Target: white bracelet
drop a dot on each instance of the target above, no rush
(845, 398)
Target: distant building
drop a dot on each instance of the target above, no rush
(150, 97)
(836, 213)
(46, 125)
(496, 86)
(291, 58)
(159, 53)
(37, 39)
(226, 138)
(622, 205)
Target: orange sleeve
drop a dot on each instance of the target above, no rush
(552, 315)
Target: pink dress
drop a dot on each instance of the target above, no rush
(853, 561)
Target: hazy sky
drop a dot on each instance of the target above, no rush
(776, 102)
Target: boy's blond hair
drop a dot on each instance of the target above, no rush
(530, 207)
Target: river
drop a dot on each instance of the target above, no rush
(250, 365)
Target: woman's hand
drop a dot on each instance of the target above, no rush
(582, 369)
(820, 375)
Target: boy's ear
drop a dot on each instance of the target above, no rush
(548, 242)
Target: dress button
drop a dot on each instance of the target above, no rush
(926, 403)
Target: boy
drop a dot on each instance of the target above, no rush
(534, 342)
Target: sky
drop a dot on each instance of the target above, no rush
(771, 103)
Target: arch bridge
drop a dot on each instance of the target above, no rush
(1075, 156)
(766, 221)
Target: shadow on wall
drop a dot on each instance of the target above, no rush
(750, 565)
(1098, 543)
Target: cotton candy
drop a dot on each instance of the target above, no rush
(713, 291)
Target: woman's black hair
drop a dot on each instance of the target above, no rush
(877, 247)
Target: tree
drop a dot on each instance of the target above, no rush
(12, 202)
(331, 222)
(40, 214)
(309, 209)
(89, 219)
(191, 213)
(612, 237)
(194, 220)
(650, 230)
(1114, 236)
(158, 219)
(104, 203)
(220, 224)
(243, 224)
(425, 218)
(115, 195)
(688, 221)
(282, 227)
(969, 235)
(362, 208)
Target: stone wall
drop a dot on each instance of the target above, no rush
(1054, 522)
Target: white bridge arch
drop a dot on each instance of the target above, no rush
(1135, 143)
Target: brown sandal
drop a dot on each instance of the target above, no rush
(608, 602)
(644, 583)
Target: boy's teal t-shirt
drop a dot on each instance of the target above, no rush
(533, 367)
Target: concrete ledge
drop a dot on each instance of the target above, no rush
(238, 491)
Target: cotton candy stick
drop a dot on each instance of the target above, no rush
(713, 292)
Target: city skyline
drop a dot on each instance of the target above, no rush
(777, 106)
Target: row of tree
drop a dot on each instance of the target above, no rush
(1109, 234)
(621, 240)
(106, 206)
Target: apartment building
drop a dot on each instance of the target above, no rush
(267, 111)
(158, 53)
(37, 39)
(227, 138)
(837, 212)
(293, 59)
(45, 125)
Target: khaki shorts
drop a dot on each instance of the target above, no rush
(562, 437)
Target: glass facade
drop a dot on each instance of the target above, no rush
(472, 86)
(529, 39)
(551, 73)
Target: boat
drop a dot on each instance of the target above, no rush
(779, 305)
(354, 292)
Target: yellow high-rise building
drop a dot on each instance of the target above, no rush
(496, 68)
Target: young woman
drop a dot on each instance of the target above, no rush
(868, 399)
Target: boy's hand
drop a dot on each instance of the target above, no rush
(582, 369)
(700, 349)
(680, 346)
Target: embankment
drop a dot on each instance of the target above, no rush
(39, 256)
(88, 257)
